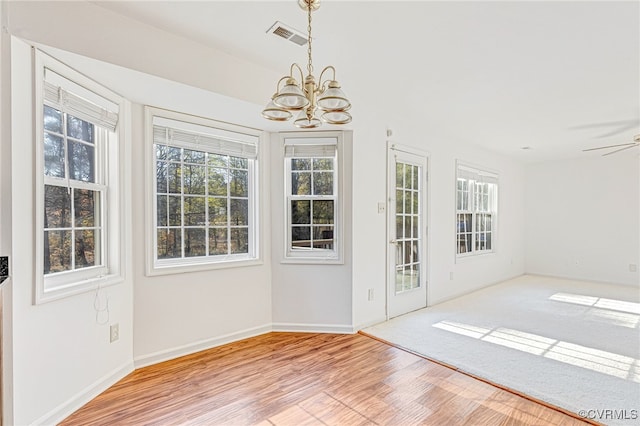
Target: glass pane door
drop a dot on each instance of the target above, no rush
(407, 215)
(406, 282)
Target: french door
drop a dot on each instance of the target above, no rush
(407, 230)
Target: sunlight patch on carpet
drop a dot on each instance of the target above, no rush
(604, 362)
(598, 302)
(572, 344)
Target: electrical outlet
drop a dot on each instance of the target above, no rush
(114, 333)
(382, 207)
(370, 294)
(633, 267)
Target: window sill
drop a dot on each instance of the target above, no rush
(77, 287)
(180, 268)
(470, 256)
(312, 261)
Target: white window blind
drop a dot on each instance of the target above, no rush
(312, 147)
(79, 102)
(475, 175)
(163, 135)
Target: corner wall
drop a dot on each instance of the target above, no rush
(310, 297)
(582, 218)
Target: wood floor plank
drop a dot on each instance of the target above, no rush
(294, 415)
(331, 411)
(308, 379)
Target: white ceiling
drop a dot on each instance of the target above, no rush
(554, 76)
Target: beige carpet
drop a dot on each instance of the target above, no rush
(572, 344)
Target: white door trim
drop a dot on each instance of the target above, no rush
(418, 157)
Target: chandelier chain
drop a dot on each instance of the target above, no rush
(310, 63)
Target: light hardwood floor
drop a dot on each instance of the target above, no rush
(308, 379)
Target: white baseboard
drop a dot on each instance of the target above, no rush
(168, 354)
(466, 292)
(313, 328)
(63, 411)
(588, 280)
(74, 403)
(369, 323)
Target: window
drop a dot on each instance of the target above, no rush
(476, 210)
(312, 188)
(204, 193)
(73, 225)
(78, 207)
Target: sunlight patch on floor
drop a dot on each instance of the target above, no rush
(525, 342)
(621, 319)
(597, 302)
(597, 360)
(464, 329)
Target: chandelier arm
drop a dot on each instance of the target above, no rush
(280, 81)
(320, 82)
(295, 65)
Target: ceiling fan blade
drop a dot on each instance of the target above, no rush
(620, 129)
(621, 149)
(610, 146)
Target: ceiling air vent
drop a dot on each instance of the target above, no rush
(288, 33)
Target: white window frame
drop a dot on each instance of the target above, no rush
(252, 138)
(110, 161)
(475, 175)
(314, 255)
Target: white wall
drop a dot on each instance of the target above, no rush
(182, 313)
(5, 134)
(369, 228)
(119, 40)
(310, 297)
(582, 218)
(5, 214)
(60, 353)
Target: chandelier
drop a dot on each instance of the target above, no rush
(325, 97)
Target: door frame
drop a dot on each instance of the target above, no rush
(425, 263)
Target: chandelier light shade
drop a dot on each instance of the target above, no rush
(324, 98)
(291, 96)
(336, 117)
(333, 98)
(304, 121)
(276, 113)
